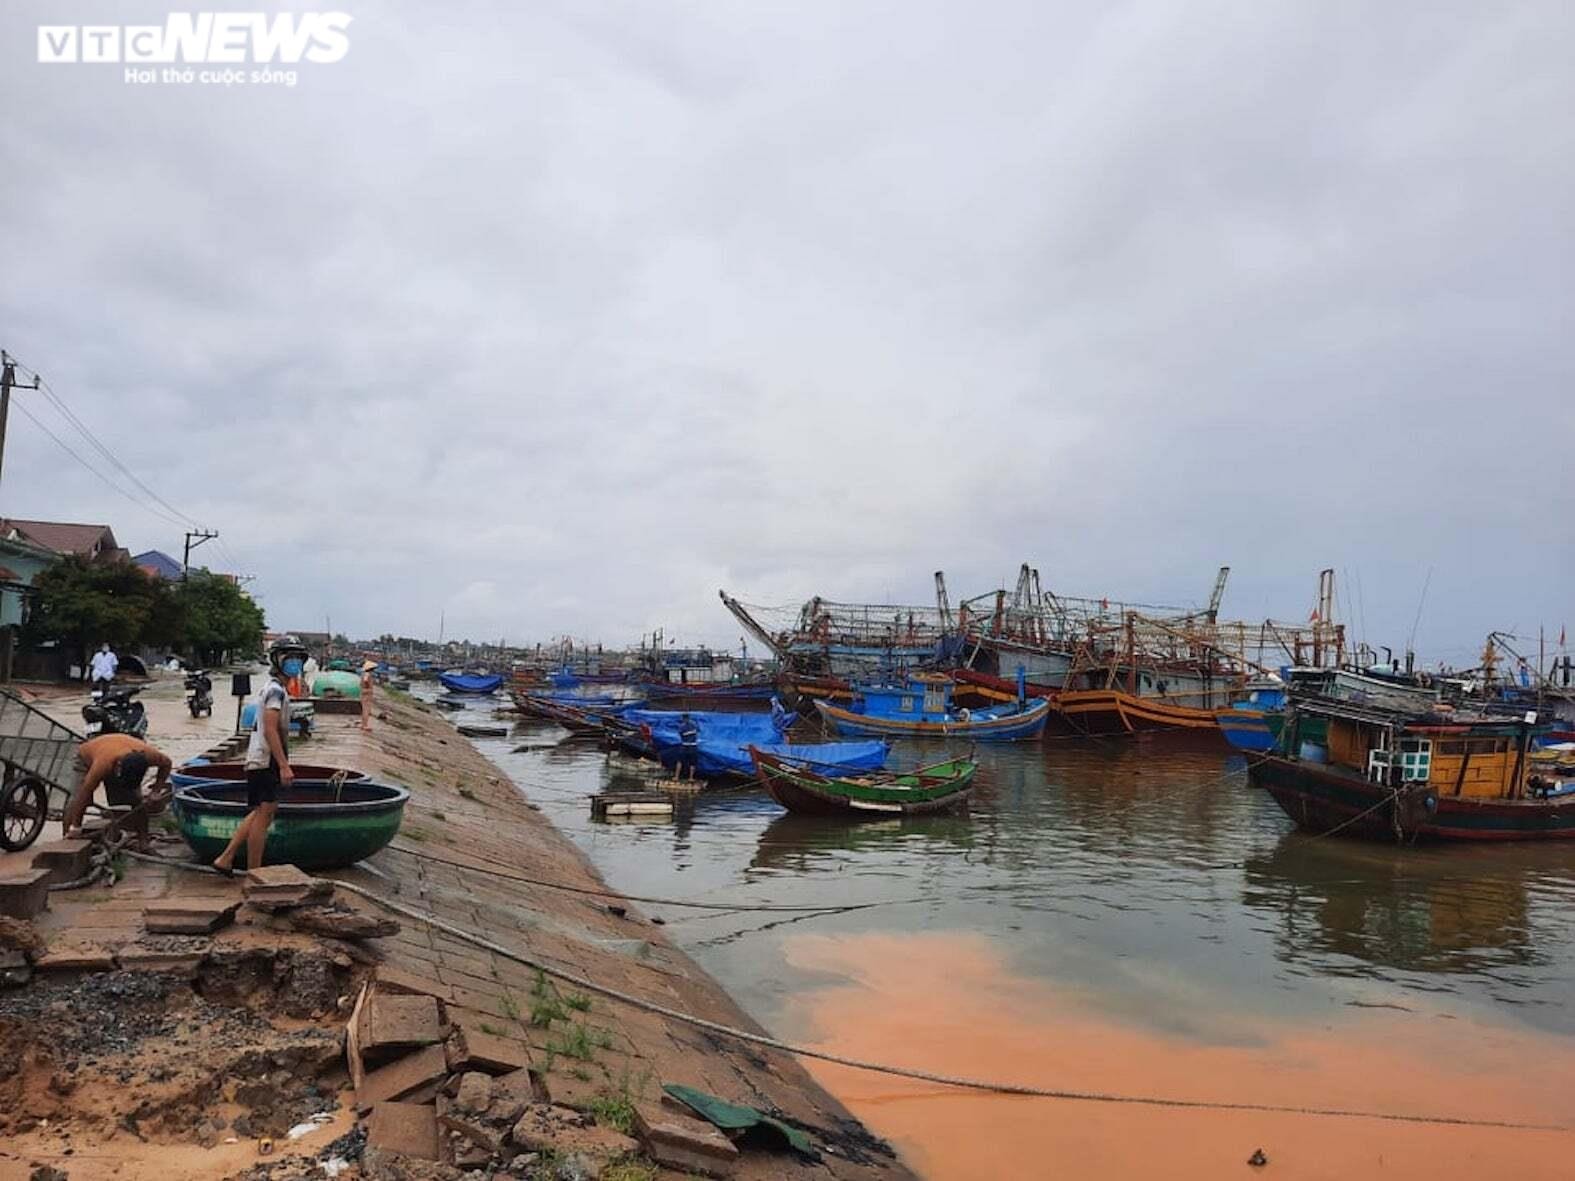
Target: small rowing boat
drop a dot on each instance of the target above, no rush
(938, 787)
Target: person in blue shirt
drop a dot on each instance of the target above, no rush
(688, 747)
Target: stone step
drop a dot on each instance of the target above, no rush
(25, 894)
(189, 916)
(66, 860)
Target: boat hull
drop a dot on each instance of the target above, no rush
(235, 772)
(1322, 799)
(1110, 711)
(312, 828)
(1027, 723)
(1256, 730)
(878, 799)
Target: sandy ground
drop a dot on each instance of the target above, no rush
(467, 832)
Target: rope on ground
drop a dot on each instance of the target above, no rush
(422, 855)
(946, 1080)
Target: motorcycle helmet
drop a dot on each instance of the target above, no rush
(287, 656)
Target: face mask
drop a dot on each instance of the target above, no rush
(292, 667)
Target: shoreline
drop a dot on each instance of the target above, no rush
(466, 824)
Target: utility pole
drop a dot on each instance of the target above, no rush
(8, 383)
(194, 538)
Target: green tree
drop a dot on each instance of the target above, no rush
(217, 618)
(81, 604)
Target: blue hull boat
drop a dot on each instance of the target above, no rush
(470, 682)
(923, 708)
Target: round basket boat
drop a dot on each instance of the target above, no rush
(312, 828)
(235, 772)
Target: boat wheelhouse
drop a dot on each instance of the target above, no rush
(1361, 770)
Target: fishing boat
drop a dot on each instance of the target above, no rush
(319, 824)
(923, 707)
(1385, 774)
(460, 682)
(798, 787)
(1253, 722)
(576, 714)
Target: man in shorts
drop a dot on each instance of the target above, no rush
(267, 758)
(119, 762)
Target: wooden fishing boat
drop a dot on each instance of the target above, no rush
(319, 825)
(923, 708)
(1384, 774)
(938, 787)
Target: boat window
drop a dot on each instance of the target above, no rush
(1416, 758)
(1451, 748)
(906, 705)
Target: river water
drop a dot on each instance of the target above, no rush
(1123, 916)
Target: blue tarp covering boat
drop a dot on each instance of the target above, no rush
(725, 757)
(652, 731)
(470, 682)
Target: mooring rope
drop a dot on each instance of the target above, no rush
(947, 1080)
(595, 893)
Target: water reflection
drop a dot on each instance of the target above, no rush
(1145, 873)
(1346, 907)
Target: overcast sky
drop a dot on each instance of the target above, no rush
(556, 317)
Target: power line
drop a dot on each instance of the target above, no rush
(66, 447)
(98, 445)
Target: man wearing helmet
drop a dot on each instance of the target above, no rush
(267, 758)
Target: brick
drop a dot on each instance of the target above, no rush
(409, 1129)
(25, 894)
(678, 1141)
(392, 1025)
(472, 1048)
(279, 887)
(427, 1067)
(397, 980)
(189, 916)
(86, 957)
(563, 1089)
(145, 959)
(66, 860)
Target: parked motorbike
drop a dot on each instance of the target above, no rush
(114, 711)
(199, 693)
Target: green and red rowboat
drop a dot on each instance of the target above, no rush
(938, 787)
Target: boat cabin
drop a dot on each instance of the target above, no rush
(1475, 757)
(917, 698)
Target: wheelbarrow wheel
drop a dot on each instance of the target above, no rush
(24, 807)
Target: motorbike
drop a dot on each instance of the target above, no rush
(199, 690)
(115, 711)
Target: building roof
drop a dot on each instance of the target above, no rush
(159, 564)
(64, 537)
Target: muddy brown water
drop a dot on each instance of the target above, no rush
(1128, 917)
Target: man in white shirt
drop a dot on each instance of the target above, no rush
(102, 670)
(268, 770)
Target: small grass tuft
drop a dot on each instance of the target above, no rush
(632, 1169)
(510, 1006)
(578, 1001)
(613, 1111)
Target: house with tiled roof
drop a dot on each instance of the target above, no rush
(93, 542)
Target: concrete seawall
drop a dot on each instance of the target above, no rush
(468, 836)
